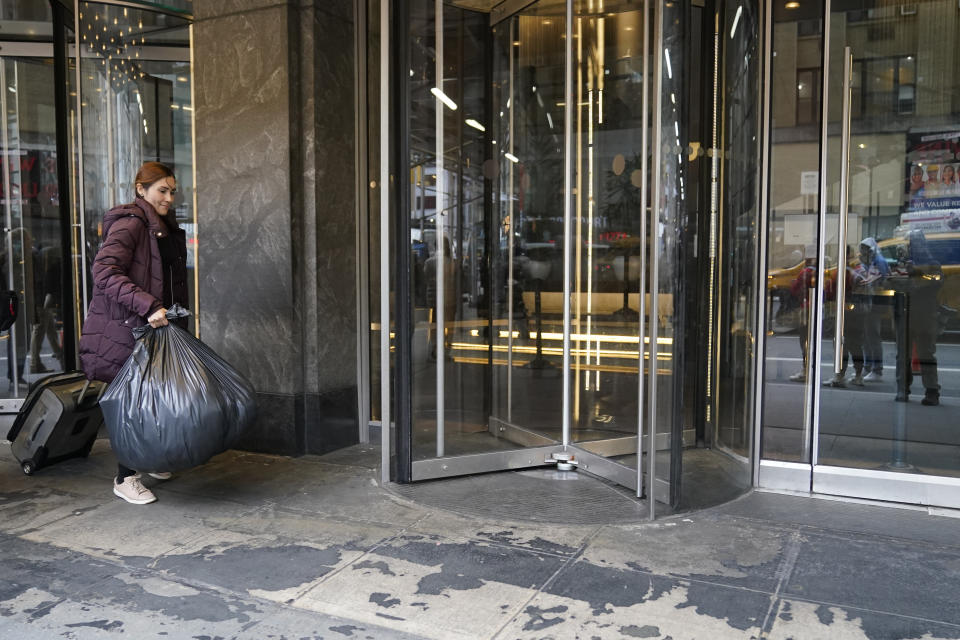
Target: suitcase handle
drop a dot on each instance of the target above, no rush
(83, 392)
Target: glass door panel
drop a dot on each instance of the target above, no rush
(526, 286)
(891, 393)
(31, 248)
(792, 223)
(608, 229)
(135, 105)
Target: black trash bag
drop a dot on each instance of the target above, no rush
(175, 403)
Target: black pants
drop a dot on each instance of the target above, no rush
(124, 472)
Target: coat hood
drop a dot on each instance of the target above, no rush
(142, 209)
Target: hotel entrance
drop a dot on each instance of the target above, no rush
(573, 273)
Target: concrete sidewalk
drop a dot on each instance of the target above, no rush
(260, 547)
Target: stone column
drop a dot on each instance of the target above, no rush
(276, 211)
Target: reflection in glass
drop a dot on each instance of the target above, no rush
(136, 105)
(888, 399)
(791, 236)
(893, 403)
(30, 253)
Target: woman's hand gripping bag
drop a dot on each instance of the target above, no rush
(175, 403)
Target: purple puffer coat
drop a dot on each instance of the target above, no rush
(128, 286)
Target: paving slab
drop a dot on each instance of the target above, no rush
(799, 619)
(137, 534)
(268, 567)
(610, 604)
(339, 491)
(890, 520)
(434, 586)
(699, 547)
(26, 566)
(29, 509)
(916, 579)
(554, 538)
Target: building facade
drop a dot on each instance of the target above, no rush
(602, 235)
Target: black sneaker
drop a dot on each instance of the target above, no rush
(931, 399)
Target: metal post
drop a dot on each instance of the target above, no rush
(361, 217)
(567, 213)
(655, 266)
(812, 405)
(762, 298)
(844, 205)
(439, 260)
(81, 182)
(511, 101)
(8, 223)
(385, 413)
(642, 290)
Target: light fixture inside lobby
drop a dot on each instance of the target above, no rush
(792, 5)
(444, 98)
(476, 125)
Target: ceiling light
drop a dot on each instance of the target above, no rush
(476, 125)
(792, 5)
(444, 98)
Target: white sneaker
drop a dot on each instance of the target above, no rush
(160, 475)
(873, 376)
(133, 491)
(799, 376)
(836, 381)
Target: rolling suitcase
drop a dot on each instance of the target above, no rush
(59, 419)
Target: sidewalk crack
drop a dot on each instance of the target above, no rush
(783, 574)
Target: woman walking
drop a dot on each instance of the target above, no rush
(138, 273)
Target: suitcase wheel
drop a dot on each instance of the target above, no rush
(28, 467)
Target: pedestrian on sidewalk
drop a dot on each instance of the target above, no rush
(919, 275)
(853, 309)
(801, 289)
(869, 280)
(139, 272)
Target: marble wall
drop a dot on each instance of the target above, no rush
(274, 86)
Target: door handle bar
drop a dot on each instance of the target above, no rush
(841, 287)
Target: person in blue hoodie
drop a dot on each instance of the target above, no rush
(868, 278)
